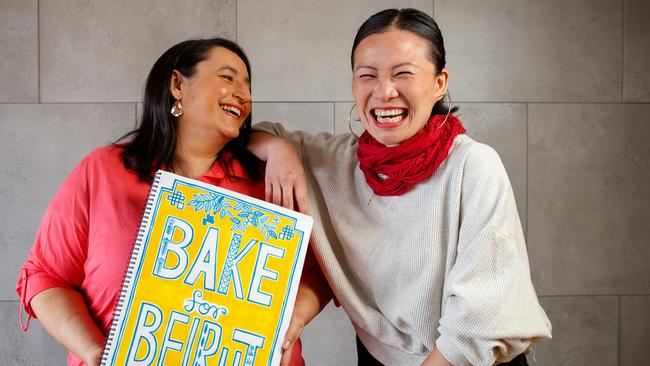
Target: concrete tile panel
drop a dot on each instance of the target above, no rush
(16, 347)
(589, 198)
(513, 50)
(309, 117)
(504, 128)
(19, 45)
(300, 50)
(635, 330)
(329, 339)
(103, 50)
(341, 115)
(584, 332)
(53, 352)
(636, 51)
(39, 146)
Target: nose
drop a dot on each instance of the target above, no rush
(385, 90)
(242, 94)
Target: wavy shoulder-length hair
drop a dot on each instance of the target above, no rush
(152, 145)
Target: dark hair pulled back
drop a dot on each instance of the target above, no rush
(416, 22)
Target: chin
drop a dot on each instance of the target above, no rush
(388, 141)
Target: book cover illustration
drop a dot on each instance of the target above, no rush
(212, 279)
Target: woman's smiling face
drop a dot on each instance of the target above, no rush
(395, 85)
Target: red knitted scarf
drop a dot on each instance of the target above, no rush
(393, 171)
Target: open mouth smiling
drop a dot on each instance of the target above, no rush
(389, 115)
(232, 110)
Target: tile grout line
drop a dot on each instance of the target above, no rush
(237, 22)
(341, 101)
(527, 172)
(38, 47)
(334, 118)
(618, 331)
(623, 51)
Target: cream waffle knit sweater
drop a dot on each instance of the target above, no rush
(444, 265)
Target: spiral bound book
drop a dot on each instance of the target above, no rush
(212, 279)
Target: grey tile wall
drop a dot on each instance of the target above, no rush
(53, 352)
(16, 347)
(330, 339)
(311, 117)
(341, 115)
(504, 127)
(19, 45)
(636, 47)
(314, 37)
(96, 51)
(545, 51)
(540, 81)
(589, 198)
(635, 330)
(39, 145)
(585, 332)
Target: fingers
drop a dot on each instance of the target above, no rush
(268, 190)
(285, 360)
(293, 333)
(277, 194)
(287, 196)
(300, 192)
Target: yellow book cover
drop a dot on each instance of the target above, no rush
(212, 279)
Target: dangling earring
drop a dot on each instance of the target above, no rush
(448, 111)
(350, 120)
(177, 109)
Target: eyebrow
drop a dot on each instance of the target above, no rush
(406, 64)
(394, 67)
(365, 67)
(234, 71)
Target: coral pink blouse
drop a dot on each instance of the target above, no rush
(86, 236)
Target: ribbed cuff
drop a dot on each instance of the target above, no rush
(451, 352)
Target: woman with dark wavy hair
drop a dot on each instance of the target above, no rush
(196, 121)
(415, 223)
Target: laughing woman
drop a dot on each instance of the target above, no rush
(196, 123)
(415, 223)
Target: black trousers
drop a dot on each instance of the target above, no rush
(366, 359)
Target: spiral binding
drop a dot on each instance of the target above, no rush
(137, 247)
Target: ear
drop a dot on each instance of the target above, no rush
(176, 84)
(441, 81)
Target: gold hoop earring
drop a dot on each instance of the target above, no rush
(177, 109)
(350, 120)
(448, 110)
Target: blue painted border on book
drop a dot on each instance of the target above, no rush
(134, 279)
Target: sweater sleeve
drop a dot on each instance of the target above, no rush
(490, 309)
(317, 145)
(59, 251)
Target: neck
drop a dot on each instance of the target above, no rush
(194, 159)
